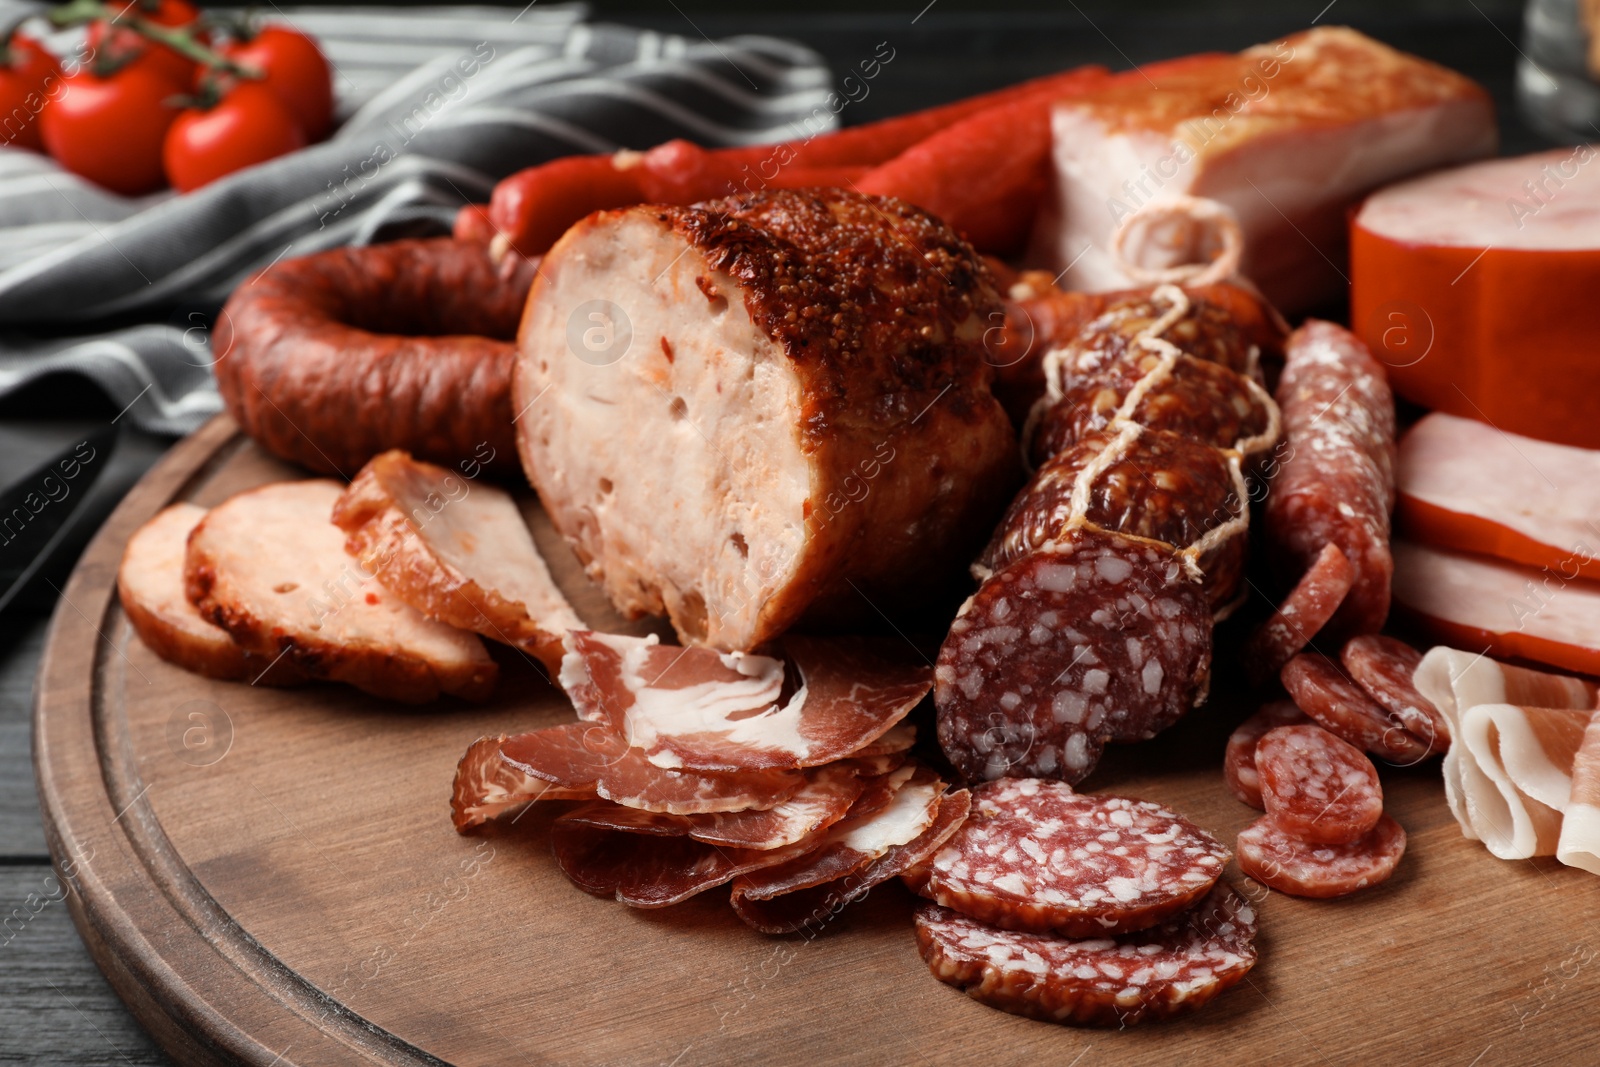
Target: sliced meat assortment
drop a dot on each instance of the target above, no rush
(1036, 856)
(809, 371)
(150, 589)
(713, 711)
(1171, 968)
(1239, 760)
(1323, 691)
(1276, 858)
(455, 549)
(1317, 786)
(1335, 484)
(1093, 623)
(269, 567)
(1095, 637)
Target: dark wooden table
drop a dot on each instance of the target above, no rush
(54, 1005)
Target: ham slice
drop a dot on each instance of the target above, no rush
(1526, 755)
(269, 567)
(456, 550)
(1512, 611)
(1579, 845)
(1288, 135)
(711, 711)
(1469, 486)
(150, 588)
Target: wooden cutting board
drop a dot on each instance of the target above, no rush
(271, 876)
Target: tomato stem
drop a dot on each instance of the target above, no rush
(180, 39)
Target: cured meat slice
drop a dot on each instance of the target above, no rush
(1306, 610)
(1036, 856)
(882, 819)
(1182, 402)
(1497, 276)
(1383, 666)
(1322, 691)
(1511, 611)
(150, 589)
(1150, 484)
(651, 871)
(585, 757)
(270, 568)
(1316, 786)
(1172, 968)
(1521, 762)
(1279, 860)
(705, 710)
(1308, 125)
(804, 909)
(1093, 638)
(1579, 845)
(488, 786)
(456, 550)
(771, 433)
(1455, 682)
(1469, 486)
(897, 739)
(1239, 761)
(1336, 482)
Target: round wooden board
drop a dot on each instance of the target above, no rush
(270, 876)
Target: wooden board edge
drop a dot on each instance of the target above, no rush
(127, 886)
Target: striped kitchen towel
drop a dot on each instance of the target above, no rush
(438, 104)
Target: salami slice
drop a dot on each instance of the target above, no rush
(1169, 969)
(587, 758)
(1277, 859)
(1306, 610)
(1384, 667)
(1036, 856)
(1336, 484)
(651, 871)
(1323, 692)
(1168, 488)
(699, 709)
(871, 829)
(1239, 761)
(804, 909)
(1093, 638)
(1318, 787)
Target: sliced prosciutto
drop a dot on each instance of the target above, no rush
(1512, 611)
(585, 758)
(1466, 485)
(705, 710)
(1579, 845)
(1525, 755)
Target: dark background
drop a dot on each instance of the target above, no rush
(54, 1005)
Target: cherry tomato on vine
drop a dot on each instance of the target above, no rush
(117, 42)
(250, 125)
(110, 129)
(28, 76)
(295, 70)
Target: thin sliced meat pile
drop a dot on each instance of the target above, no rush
(455, 550)
(1068, 907)
(788, 777)
(1520, 776)
(1368, 698)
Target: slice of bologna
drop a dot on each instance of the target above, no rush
(1384, 667)
(1476, 286)
(1093, 638)
(1239, 761)
(700, 709)
(809, 909)
(1036, 856)
(1306, 610)
(1513, 611)
(1470, 486)
(1322, 691)
(586, 757)
(1276, 858)
(1169, 969)
(1317, 786)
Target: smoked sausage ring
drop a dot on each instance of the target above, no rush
(328, 359)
